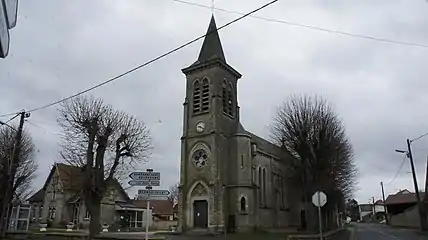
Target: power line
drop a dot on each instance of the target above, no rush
(349, 34)
(148, 62)
(9, 114)
(42, 129)
(11, 118)
(421, 136)
(399, 169)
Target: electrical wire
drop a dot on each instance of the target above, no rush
(148, 62)
(421, 136)
(9, 114)
(43, 129)
(11, 118)
(349, 34)
(399, 169)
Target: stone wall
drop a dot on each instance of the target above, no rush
(409, 218)
(164, 225)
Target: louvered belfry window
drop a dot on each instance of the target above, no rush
(205, 95)
(196, 97)
(201, 96)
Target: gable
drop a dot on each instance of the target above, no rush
(115, 192)
(52, 180)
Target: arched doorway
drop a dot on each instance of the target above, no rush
(199, 206)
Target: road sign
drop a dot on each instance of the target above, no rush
(319, 199)
(4, 31)
(145, 176)
(153, 192)
(146, 197)
(155, 183)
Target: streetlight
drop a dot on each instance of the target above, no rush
(415, 182)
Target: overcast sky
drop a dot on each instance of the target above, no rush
(378, 89)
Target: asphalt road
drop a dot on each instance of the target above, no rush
(383, 232)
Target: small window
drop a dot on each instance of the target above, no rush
(87, 214)
(243, 204)
(264, 187)
(242, 161)
(52, 213)
(230, 101)
(259, 178)
(40, 212)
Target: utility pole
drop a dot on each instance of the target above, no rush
(415, 182)
(13, 165)
(384, 204)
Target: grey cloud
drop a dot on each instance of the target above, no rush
(59, 48)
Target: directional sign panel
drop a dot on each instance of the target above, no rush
(146, 197)
(155, 183)
(145, 176)
(153, 192)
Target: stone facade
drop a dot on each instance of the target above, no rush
(58, 202)
(230, 178)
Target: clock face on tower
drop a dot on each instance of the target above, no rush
(200, 126)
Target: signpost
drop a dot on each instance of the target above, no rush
(319, 199)
(148, 179)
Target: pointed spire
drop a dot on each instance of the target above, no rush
(211, 48)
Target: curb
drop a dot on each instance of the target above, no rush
(326, 235)
(352, 233)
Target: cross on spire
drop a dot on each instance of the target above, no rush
(212, 7)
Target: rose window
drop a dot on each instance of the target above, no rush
(200, 158)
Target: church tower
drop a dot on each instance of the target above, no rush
(211, 116)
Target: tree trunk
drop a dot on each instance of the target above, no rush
(94, 207)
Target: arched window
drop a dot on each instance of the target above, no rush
(259, 176)
(264, 187)
(205, 95)
(283, 193)
(243, 204)
(230, 100)
(196, 97)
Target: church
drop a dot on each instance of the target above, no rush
(230, 179)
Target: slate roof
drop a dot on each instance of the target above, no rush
(262, 144)
(37, 197)
(161, 207)
(211, 48)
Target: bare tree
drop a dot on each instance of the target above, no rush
(99, 139)
(311, 132)
(173, 193)
(26, 167)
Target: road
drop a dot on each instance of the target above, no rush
(383, 232)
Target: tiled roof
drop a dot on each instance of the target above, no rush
(161, 207)
(71, 177)
(402, 198)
